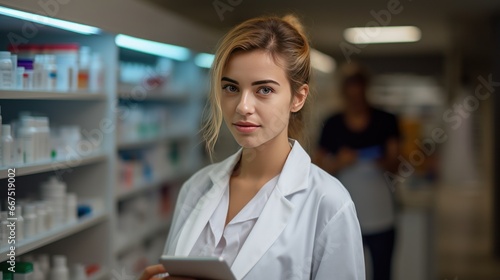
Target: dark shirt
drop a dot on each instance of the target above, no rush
(369, 143)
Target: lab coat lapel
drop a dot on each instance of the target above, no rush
(205, 206)
(276, 213)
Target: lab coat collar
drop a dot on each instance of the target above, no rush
(296, 169)
(273, 218)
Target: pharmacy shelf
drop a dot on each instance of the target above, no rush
(136, 237)
(35, 168)
(50, 236)
(126, 93)
(150, 141)
(49, 95)
(125, 193)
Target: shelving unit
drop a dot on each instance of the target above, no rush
(42, 167)
(48, 237)
(94, 239)
(148, 141)
(47, 95)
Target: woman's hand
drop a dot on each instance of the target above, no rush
(151, 271)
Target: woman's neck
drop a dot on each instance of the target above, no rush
(265, 161)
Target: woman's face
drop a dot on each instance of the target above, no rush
(256, 99)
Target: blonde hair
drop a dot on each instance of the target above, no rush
(284, 39)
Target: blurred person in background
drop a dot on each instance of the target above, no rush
(358, 145)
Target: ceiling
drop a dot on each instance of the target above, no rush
(326, 20)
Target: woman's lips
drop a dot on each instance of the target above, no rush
(246, 127)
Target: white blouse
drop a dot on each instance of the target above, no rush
(217, 240)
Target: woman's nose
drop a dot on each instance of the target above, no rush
(246, 104)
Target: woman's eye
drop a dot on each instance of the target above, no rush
(230, 88)
(265, 90)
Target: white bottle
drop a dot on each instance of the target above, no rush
(78, 272)
(37, 271)
(71, 208)
(19, 78)
(5, 70)
(43, 261)
(13, 60)
(29, 220)
(96, 74)
(49, 219)
(39, 81)
(44, 133)
(54, 191)
(59, 271)
(7, 146)
(28, 134)
(19, 223)
(36, 139)
(4, 230)
(41, 214)
(50, 72)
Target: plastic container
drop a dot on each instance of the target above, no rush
(27, 133)
(24, 271)
(39, 75)
(19, 78)
(71, 208)
(5, 70)
(50, 70)
(78, 272)
(7, 146)
(66, 56)
(4, 230)
(13, 60)
(96, 74)
(41, 214)
(43, 261)
(54, 192)
(59, 271)
(28, 73)
(8, 275)
(19, 223)
(44, 137)
(30, 220)
(83, 68)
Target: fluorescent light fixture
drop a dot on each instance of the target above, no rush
(204, 60)
(61, 24)
(322, 62)
(152, 47)
(382, 34)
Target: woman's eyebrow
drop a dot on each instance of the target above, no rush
(265, 82)
(229, 80)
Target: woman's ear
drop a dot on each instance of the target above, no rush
(299, 99)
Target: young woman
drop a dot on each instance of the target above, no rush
(266, 210)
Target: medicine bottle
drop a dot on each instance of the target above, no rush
(7, 146)
(5, 70)
(60, 270)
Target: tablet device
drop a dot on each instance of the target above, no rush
(213, 268)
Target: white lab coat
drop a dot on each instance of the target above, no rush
(308, 229)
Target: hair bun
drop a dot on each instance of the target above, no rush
(294, 22)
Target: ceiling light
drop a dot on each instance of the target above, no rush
(152, 47)
(204, 60)
(61, 24)
(382, 34)
(322, 62)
